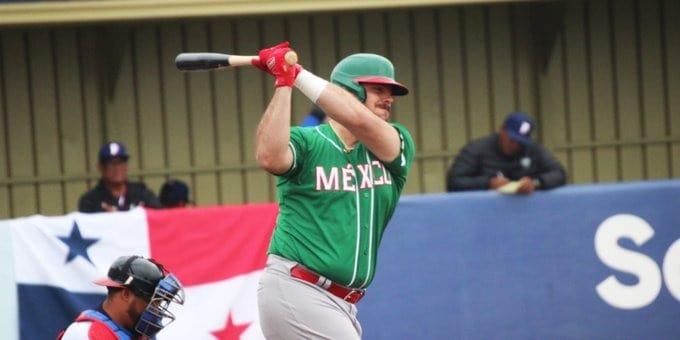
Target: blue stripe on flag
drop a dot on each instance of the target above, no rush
(44, 311)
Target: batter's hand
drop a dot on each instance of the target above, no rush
(273, 61)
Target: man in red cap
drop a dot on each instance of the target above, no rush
(136, 306)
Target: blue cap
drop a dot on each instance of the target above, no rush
(112, 150)
(174, 192)
(519, 126)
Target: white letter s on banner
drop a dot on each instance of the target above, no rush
(611, 290)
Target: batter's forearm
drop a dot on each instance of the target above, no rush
(273, 134)
(379, 136)
(341, 106)
(337, 103)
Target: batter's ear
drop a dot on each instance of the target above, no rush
(126, 294)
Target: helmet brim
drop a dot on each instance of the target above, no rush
(107, 282)
(397, 88)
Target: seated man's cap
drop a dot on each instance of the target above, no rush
(111, 150)
(519, 126)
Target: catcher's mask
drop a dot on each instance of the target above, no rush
(157, 314)
(148, 280)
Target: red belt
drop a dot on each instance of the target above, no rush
(350, 295)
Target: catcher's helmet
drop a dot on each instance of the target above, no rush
(148, 280)
(365, 68)
(136, 273)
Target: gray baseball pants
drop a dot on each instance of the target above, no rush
(293, 309)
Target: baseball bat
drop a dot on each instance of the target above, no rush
(213, 61)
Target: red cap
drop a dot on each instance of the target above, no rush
(397, 88)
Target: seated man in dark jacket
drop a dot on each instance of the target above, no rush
(508, 155)
(114, 192)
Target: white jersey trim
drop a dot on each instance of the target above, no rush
(292, 148)
(356, 251)
(370, 223)
(403, 157)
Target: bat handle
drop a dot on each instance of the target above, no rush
(291, 58)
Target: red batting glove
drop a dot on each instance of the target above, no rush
(267, 53)
(272, 60)
(288, 77)
(256, 62)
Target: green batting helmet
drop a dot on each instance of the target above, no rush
(365, 68)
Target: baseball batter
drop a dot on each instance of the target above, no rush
(338, 185)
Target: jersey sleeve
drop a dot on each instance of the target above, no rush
(88, 330)
(401, 166)
(298, 146)
(77, 331)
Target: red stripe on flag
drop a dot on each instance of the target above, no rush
(203, 245)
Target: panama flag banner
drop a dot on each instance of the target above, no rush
(47, 265)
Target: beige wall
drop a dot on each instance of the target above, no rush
(610, 96)
(597, 75)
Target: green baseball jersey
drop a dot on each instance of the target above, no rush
(334, 204)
